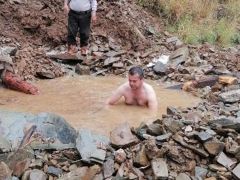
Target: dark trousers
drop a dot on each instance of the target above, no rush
(79, 22)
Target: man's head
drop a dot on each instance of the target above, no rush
(135, 77)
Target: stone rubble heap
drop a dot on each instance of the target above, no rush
(201, 142)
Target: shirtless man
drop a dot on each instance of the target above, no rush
(135, 91)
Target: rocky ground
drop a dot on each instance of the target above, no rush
(201, 142)
(189, 143)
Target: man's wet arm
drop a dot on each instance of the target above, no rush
(115, 97)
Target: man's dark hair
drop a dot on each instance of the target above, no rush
(136, 70)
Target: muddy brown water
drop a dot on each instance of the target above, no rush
(81, 101)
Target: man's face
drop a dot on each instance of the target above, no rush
(135, 82)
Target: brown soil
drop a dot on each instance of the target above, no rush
(34, 24)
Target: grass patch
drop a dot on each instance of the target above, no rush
(198, 21)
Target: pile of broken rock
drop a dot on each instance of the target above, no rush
(201, 142)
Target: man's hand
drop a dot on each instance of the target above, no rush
(94, 17)
(116, 95)
(66, 8)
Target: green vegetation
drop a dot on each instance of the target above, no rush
(198, 21)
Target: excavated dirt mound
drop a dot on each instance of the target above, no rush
(41, 22)
(29, 25)
(34, 24)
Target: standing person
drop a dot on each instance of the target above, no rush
(80, 14)
(135, 91)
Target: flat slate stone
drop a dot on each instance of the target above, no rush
(230, 96)
(43, 74)
(226, 122)
(108, 168)
(160, 169)
(88, 144)
(37, 174)
(236, 171)
(163, 137)
(200, 172)
(82, 70)
(160, 68)
(76, 174)
(115, 53)
(211, 132)
(199, 151)
(179, 56)
(140, 158)
(183, 176)
(155, 129)
(66, 57)
(122, 136)
(54, 171)
(111, 60)
(214, 147)
(224, 160)
(173, 125)
(204, 136)
(5, 145)
(216, 168)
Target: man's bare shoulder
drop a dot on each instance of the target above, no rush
(124, 86)
(148, 88)
(152, 98)
(122, 89)
(117, 94)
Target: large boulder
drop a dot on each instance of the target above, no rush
(14, 125)
(53, 126)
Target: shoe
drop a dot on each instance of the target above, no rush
(72, 49)
(84, 51)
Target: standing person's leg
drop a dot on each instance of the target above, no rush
(84, 31)
(72, 32)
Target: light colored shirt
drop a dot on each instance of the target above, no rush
(83, 5)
